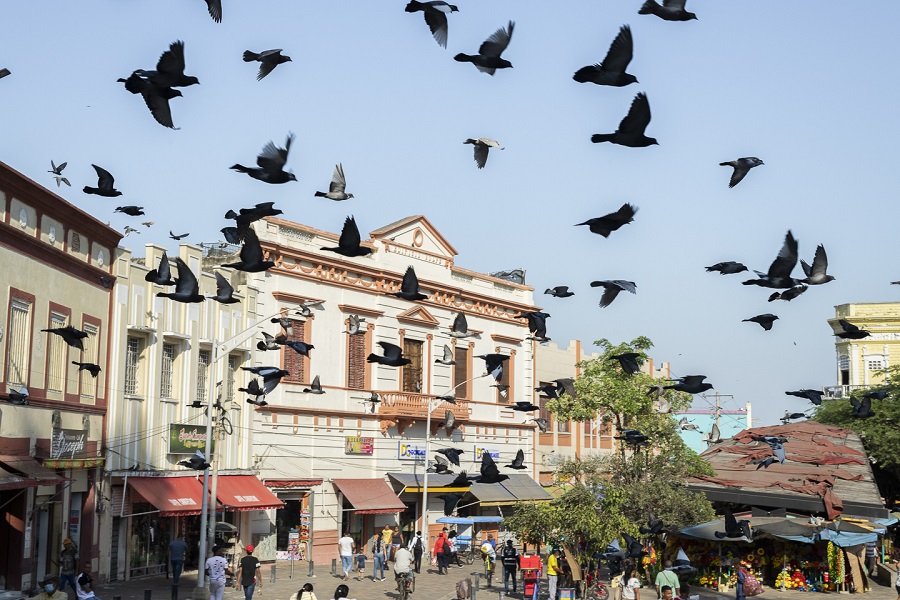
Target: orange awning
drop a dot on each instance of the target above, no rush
(245, 492)
(370, 496)
(173, 496)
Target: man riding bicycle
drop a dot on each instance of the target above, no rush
(489, 554)
(403, 570)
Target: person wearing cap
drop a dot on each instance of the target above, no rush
(552, 572)
(68, 557)
(248, 573)
(50, 589)
(217, 569)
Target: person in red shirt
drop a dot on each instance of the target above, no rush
(439, 546)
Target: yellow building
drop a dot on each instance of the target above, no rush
(861, 363)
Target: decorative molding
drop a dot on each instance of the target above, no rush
(423, 222)
(385, 424)
(418, 315)
(294, 298)
(505, 339)
(295, 234)
(360, 310)
(417, 253)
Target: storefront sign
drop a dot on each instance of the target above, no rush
(407, 451)
(187, 439)
(359, 445)
(495, 454)
(68, 443)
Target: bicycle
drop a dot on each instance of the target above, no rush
(406, 584)
(488, 569)
(594, 586)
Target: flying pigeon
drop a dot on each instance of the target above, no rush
(548, 389)
(567, 385)
(727, 268)
(779, 273)
(269, 342)
(525, 406)
(197, 462)
(612, 551)
(775, 443)
(789, 416)
(178, 237)
(253, 388)
(301, 348)
(876, 394)
(187, 289)
(286, 325)
(337, 186)
(815, 274)
(518, 461)
(684, 425)
(851, 331)
(488, 58)
(765, 462)
(129, 230)
(765, 321)
(105, 183)
(628, 361)
(315, 387)
(246, 216)
(862, 409)
(441, 465)
(268, 60)
(70, 335)
(481, 147)
(502, 388)
(409, 287)
(788, 295)
(537, 323)
(489, 471)
(169, 71)
(446, 358)
(156, 97)
(460, 327)
(741, 166)
(612, 70)
(611, 289)
(654, 526)
(132, 211)
(349, 242)
(91, 368)
(393, 356)
(452, 454)
(608, 223)
(635, 549)
(224, 291)
(814, 396)
(670, 10)
(264, 371)
(4, 72)
(493, 364)
(560, 291)
(270, 165)
(714, 436)
(542, 424)
(353, 327)
(148, 224)
(258, 401)
(57, 173)
(735, 528)
(19, 397)
(215, 10)
(631, 129)
(435, 13)
(692, 384)
(461, 480)
(251, 256)
(449, 421)
(450, 502)
(305, 308)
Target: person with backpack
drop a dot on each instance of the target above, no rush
(378, 557)
(417, 547)
(439, 545)
(509, 556)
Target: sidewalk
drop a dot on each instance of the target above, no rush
(429, 586)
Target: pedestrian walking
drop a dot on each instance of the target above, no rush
(378, 557)
(417, 547)
(177, 550)
(396, 541)
(346, 546)
(248, 574)
(631, 585)
(439, 545)
(666, 577)
(68, 561)
(361, 563)
(509, 556)
(871, 558)
(217, 569)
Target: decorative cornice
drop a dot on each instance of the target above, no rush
(360, 310)
(418, 315)
(294, 298)
(506, 339)
(417, 253)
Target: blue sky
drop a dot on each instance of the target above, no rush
(806, 86)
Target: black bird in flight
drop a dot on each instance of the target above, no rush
(814, 396)
(654, 526)
(611, 289)
(764, 463)
(727, 268)
(155, 97)
(270, 342)
(441, 465)
(481, 146)
(789, 416)
(779, 273)
(169, 71)
(224, 291)
(452, 454)
(187, 289)
(741, 167)
(612, 70)
(849, 331)
(560, 291)
(435, 13)
(251, 257)
(670, 10)
(692, 384)
(393, 356)
(301, 348)
(876, 394)
(548, 389)
(246, 216)
(775, 443)
(735, 528)
(409, 287)
(489, 471)
(315, 387)
(788, 295)
(270, 164)
(566, 385)
(488, 58)
(57, 173)
(178, 237)
(862, 409)
(460, 327)
(268, 60)
(70, 335)
(20, 397)
(197, 462)
(628, 361)
(337, 186)
(105, 183)
(271, 376)
(493, 364)
(518, 462)
(542, 424)
(349, 242)
(816, 274)
(132, 211)
(4, 72)
(161, 275)
(631, 129)
(91, 368)
(215, 10)
(450, 502)
(765, 321)
(608, 223)
(537, 323)
(635, 549)
(525, 406)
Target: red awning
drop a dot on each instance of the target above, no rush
(370, 496)
(11, 481)
(245, 492)
(291, 483)
(31, 469)
(173, 496)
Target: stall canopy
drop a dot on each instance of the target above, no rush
(518, 488)
(469, 521)
(369, 496)
(173, 496)
(25, 471)
(826, 470)
(842, 533)
(415, 482)
(245, 492)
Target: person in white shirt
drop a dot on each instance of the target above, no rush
(631, 586)
(346, 546)
(403, 560)
(85, 583)
(217, 569)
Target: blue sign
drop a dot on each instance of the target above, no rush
(495, 454)
(407, 451)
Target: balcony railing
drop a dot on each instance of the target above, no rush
(415, 406)
(839, 392)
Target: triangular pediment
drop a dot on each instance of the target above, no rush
(418, 315)
(418, 233)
